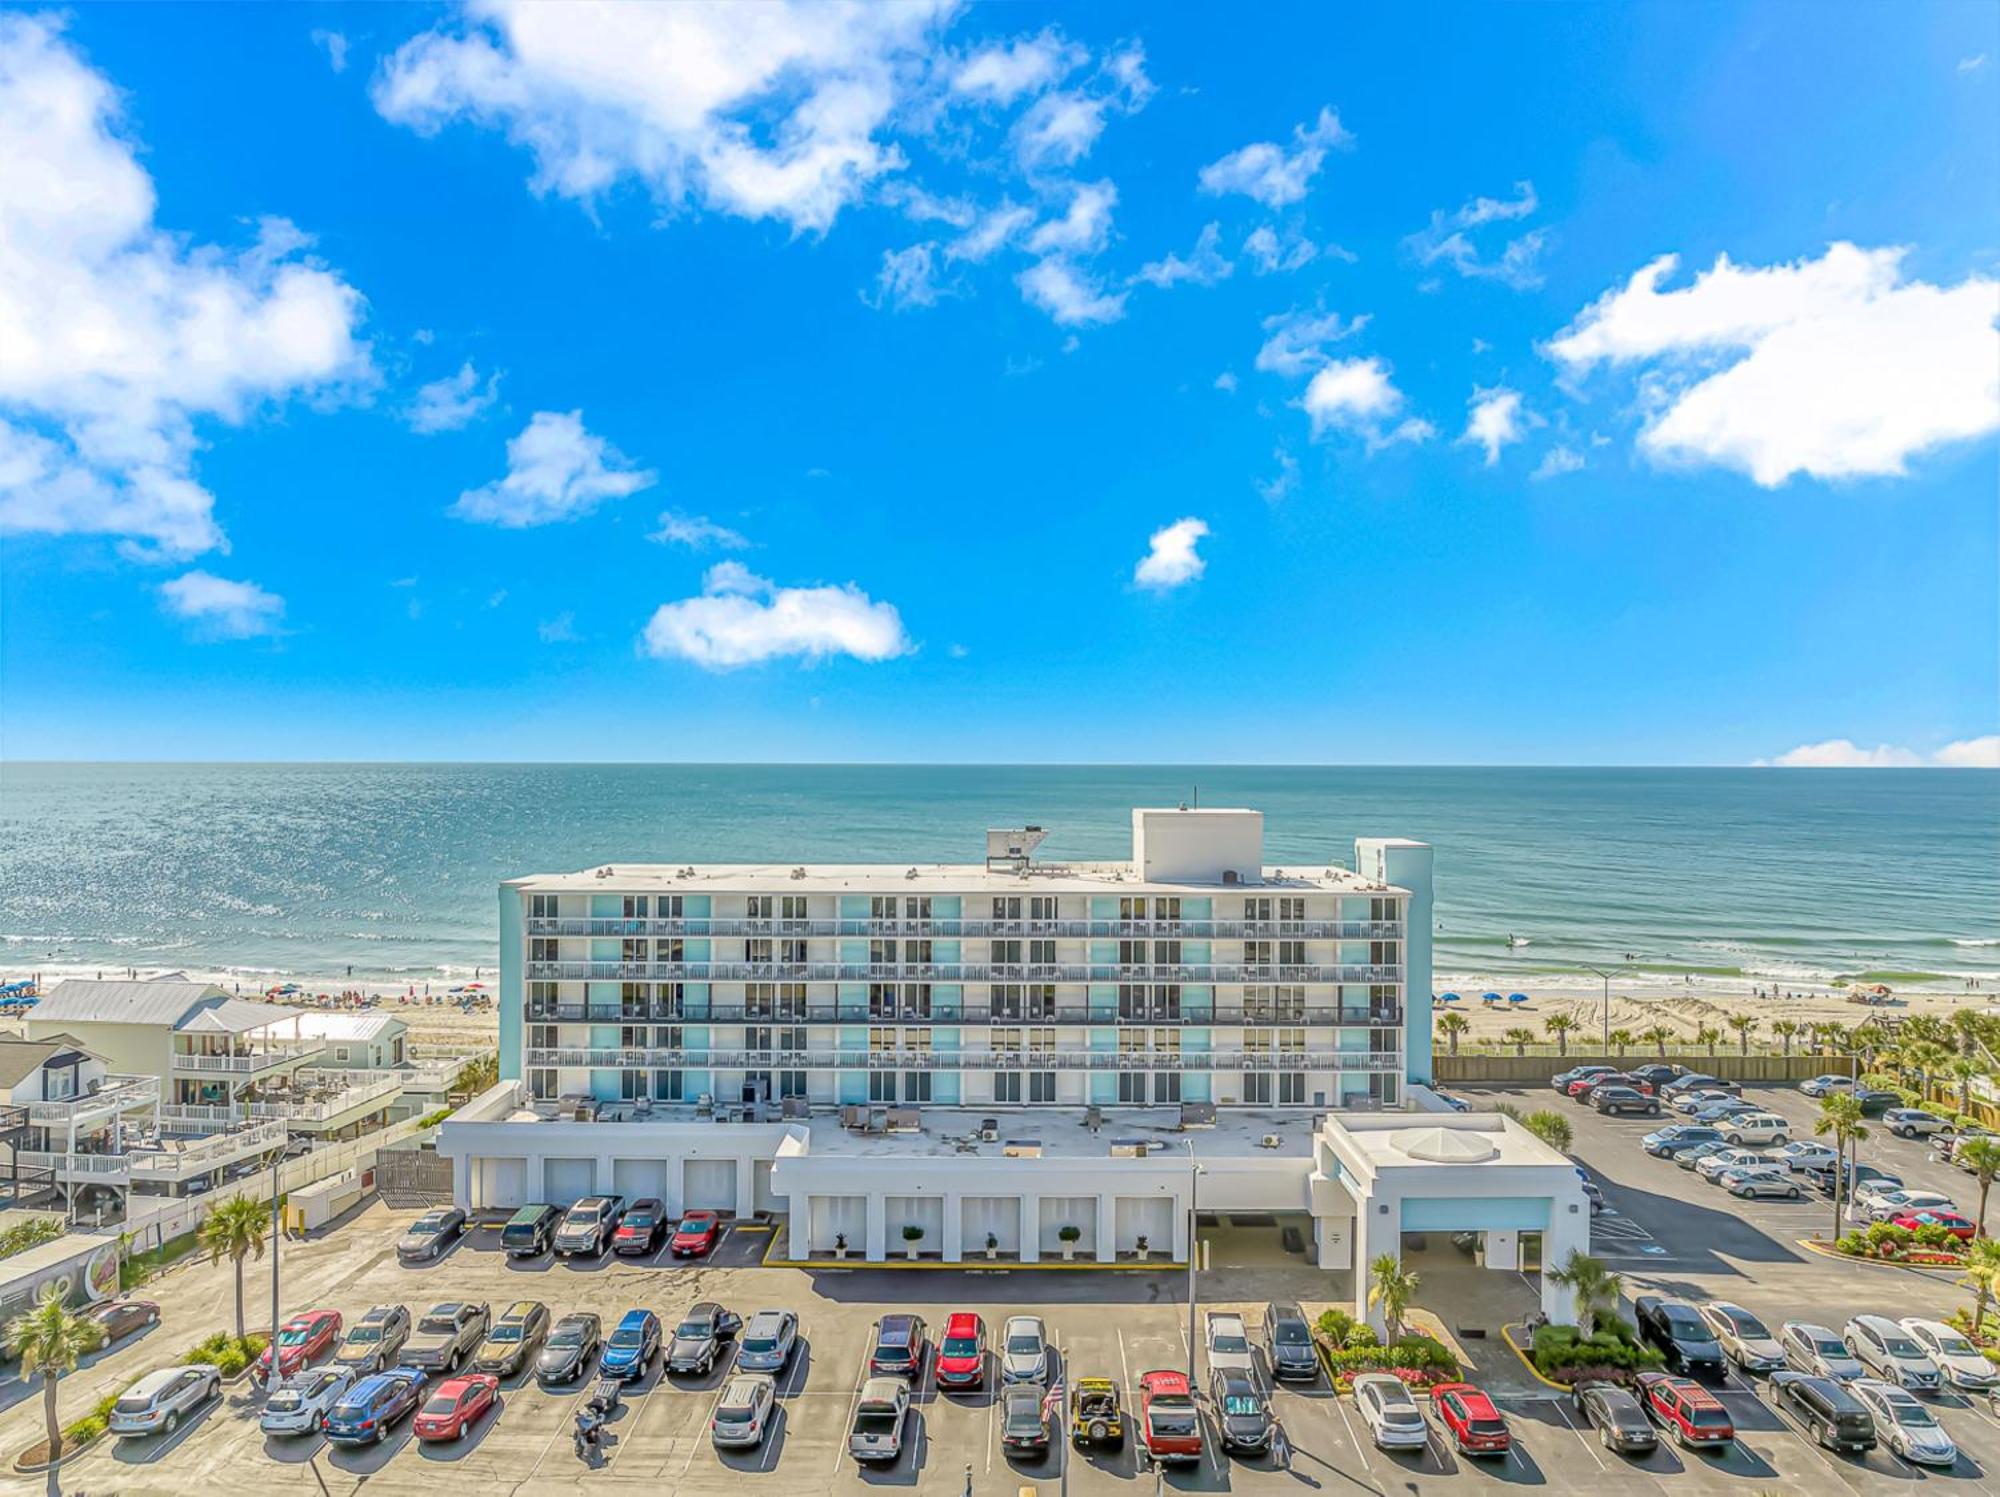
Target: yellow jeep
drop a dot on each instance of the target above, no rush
(1094, 1415)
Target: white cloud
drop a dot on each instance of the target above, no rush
(1297, 340)
(221, 609)
(334, 44)
(455, 401)
(1270, 254)
(1448, 238)
(990, 233)
(117, 338)
(743, 619)
(1268, 172)
(1843, 753)
(1281, 484)
(1026, 65)
(1204, 267)
(697, 532)
(1226, 382)
(1069, 295)
(1170, 558)
(1086, 225)
(1835, 368)
(560, 630)
(1973, 63)
(1498, 420)
(1357, 395)
(908, 278)
(1556, 462)
(1059, 129)
(555, 471)
(772, 110)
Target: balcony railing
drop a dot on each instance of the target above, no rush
(117, 1094)
(89, 1169)
(250, 1062)
(1066, 972)
(967, 1060)
(1377, 1015)
(947, 928)
(172, 1161)
(378, 1086)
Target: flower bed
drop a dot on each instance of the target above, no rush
(1349, 1347)
(1610, 1353)
(1932, 1245)
(222, 1351)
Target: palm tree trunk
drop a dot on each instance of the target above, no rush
(239, 1299)
(1979, 1310)
(1979, 1223)
(1839, 1179)
(49, 1412)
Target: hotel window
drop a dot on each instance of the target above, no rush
(1007, 907)
(541, 1000)
(1132, 1087)
(669, 1086)
(1005, 1041)
(1006, 1086)
(791, 1000)
(1042, 953)
(1384, 953)
(1132, 953)
(757, 951)
(637, 906)
(1041, 1086)
(542, 1085)
(917, 953)
(760, 1000)
(792, 907)
(669, 999)
(631, 1085)
(1167, 1041)
(1383, 909)
(632, 950)
(759, 907)
(917, 907)
(1292, 1088)
(1257, 1041)
(1041, 1000)
(632, 1036)
(1256, 953)
(542, 1037)
(915, 1001)
(1007, 953)
(674, 950)
(916, 1086)
(541, 906)
(1042, 1041)
(1258, 908)
(1292, 1041)
(669, 1037)
(1004, 1000)
(917, 1040)
(1166, 1086)
(1131, 1041)
(1167, 907)
(792, 952)
(792, 1040)
(1291, 907)
(881, 953)
(1257, 1088)
(1291, 953)
(1167, 953)
(1132, 908)
(1042, 907)
(882, 907)
(881, 1086)
(881, 1041)
(1288, 1002)
(791, 1083)
(757, 1037)
(543, 949)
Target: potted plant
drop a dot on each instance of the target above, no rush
(1070, 1236)
(992, 1246)
(1140, 1246)
(912, 1235)
(840, 1245)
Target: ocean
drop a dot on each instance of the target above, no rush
(1734, 877)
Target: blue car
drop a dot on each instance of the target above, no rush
(366, 1411)
(632, 1346)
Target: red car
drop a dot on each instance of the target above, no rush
(458, 1401)
(300, 1339)
(1959, 1226)
(639, 1229)
(1583, 1086)
(1469, 1417)
(697, 1233)
(1687, 1410)
(961, 1355)
(1169, 1422)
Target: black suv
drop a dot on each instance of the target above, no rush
(1617, 1100)
(1834, 1417)
(1288, 1343)
(1678, 1331)
(1660, 1073)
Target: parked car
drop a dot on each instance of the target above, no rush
(1696, 1081)
(899, 1348)
(1582, 1089)
(1760, 1181)
(1903, 1424)
(696, 1234)
(1678, 1331)
(1227, 1342)
(879, 1416)
(641, 1227)
(1744, 1339)
(1894, 1203)
(1952, 1144)
(160, 1401)
(1876, 1104)
(457, 1404)
(1817, 1352)
(430, 1234)
(446, 1337)
(1867, 1190)
(1855, 1176)
(1961, 1227)
(1470, 1418)
(1761, 1128)
(1821, 1086)
(766, 1341)
(1834, 1417)
(1695, 1417)
(1890, 1353)
(1688, 1158)
(1169, 1422)
(1024, 1419)
(375, 1340)
(514, 1340)
(1659, 1073)
(1962, 1364)
(120, 1318)
(699, 1338)
(301, 1406)
(1617, 1101)
(300, 1339)
(1288, 1344)
(1806, 1153)
(374, 1406)
(1095, 1416)
(961, 1354)
(1562, 1079)
(632, 1345)
(1913, 1122)
(572, 1342)
(530, 1231)
(1688, 1103)
(1394, 1420)
(1024, 1350)
(587, 1226)
(1730, 1158)
(1617, 1416)
(1242, 1416)
(743, 1412)
(1662, 1142)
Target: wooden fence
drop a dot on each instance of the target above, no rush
(1530, 1069)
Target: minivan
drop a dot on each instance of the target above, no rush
(1834, 1417)
(529, 1231)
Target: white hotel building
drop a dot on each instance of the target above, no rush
(1088, 1051)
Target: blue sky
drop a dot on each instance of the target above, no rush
(1000, 383)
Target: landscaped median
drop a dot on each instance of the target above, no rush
(1348, 1346)
(1562, 1356)
(230, 1357)
(1928, 1246)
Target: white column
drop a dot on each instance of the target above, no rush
(1107, 1228)
(1376, 1232)
(1031, 1229)
(876, 1231)
(1569, 1232)
(746, 1188)
(953, 1245)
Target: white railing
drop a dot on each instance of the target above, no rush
(249, 1063)
(93, 1168)
(170, 1163)
(118, 1094)
(379, 1086)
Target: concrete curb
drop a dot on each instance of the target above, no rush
(1507, 1335)
(1824, 1250)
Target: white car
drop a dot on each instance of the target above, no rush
(1759, 1180)
(1895, 1202)
(1391, 1414)
(743, 1412)
(1914, 1122)
(159, 1401)
(1024, 1350)
(300, 1406)
(1890, 1353)
(1821, 1086)
(1962, 1363)
(1745, 1339)
(1757, 1128)
(1229, 1343)
(1730, 1159)
(1693, 1102)
(1904, 1425)
(1869, 1192)
(1816, 1350)
(1806, 1154)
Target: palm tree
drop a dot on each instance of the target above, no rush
(1623, 1039)
(50, 1339)
(480, 1073)
(1982, 1157)
(1391, 1287)
(1786, 1030)
(1552, 1128)
(1708, 1035)
(1926, 1058)
(1519, 1038)
(1982, 1275)
(1561, 1026)
(1451, 1026)
(1926, 1029)
(1658, 1035)
(1966, 1022)
(1745, 1025)
(235, 1230)
(1841, 1116)
(1595, 1289)
(1963, 1068)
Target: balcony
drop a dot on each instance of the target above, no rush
(79, 1168)
(172, 1160)
(318, 1100)
(973, 928)
(1381, 1015)
(255, 1062)
(967, 1060)
(118, 1094)
(1066, 972)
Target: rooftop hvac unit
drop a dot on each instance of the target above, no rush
(1009, 848)
(1130, 1148)
(1197, 1114)
(1022, 1148)
(989, 1130)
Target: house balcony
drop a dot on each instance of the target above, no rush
(316, 1102)
(118, 1094)
(264, 1060)
(173, 1160)
(78, 1168)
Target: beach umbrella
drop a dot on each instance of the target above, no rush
(1517, 997)
(1451, 998)
(1489, 998)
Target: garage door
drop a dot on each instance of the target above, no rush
(760, 1179)
(636, 1179)
(502, 1182)
(709, 1183)
(567, 1180)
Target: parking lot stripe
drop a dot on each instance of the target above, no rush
(1358, 1450)
(1588, 1449)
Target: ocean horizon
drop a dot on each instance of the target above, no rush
(1732, 878)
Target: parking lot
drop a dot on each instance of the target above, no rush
(1665, 1229)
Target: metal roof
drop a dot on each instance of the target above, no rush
(191, 1006)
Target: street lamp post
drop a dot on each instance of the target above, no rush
(1193, 1247)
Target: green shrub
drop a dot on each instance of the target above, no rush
(432, 1119)
(1359, 1335)
(1559, 1353)
(27, 1234)
(1334, 1325)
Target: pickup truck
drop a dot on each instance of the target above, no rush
(446, 1337)
(879, 1418)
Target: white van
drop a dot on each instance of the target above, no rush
(1756, 1128)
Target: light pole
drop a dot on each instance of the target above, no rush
(1193, 1247)
(277, 1232)
(1607, 1005)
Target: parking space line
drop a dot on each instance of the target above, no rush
(1350, 1432)
(854, 1403)
(1588, 1449)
